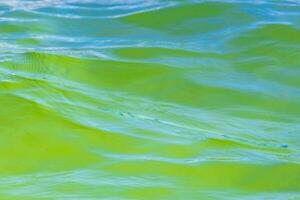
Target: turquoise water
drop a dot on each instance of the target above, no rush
(149, 99)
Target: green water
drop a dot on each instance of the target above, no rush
(149, 99)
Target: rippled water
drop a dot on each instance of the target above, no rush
(149, 99)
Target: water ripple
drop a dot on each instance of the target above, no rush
(194, 99)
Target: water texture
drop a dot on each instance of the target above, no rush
(129, 99)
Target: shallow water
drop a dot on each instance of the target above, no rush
(149, 99)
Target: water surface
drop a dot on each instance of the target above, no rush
(149, 99)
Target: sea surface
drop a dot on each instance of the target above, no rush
(146, 100)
